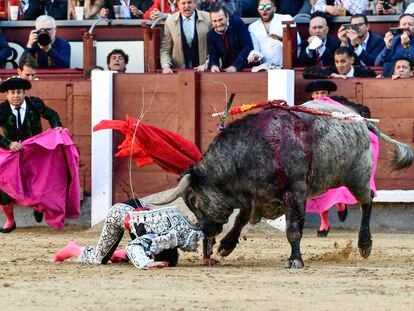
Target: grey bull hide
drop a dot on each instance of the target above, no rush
(268, 164)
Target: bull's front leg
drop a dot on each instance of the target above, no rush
(295, 220)
(364, 237)
(208, 243)
(229, 242)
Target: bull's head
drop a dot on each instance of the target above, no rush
(204, 203)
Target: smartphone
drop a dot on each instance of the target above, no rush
(397, 31)
(350, 26)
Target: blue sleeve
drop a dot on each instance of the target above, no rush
(212, 50)
(369, 58)
(60, 54)
(247, 44)
(5, 50)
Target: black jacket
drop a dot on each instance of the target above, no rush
(327, 58)
(32, 125)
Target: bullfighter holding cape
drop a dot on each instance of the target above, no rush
(37, 169)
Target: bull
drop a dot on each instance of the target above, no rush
(269, 163)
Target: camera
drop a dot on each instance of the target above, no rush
(397, 31)
(43, 37)
(386, 5)
(350, 26)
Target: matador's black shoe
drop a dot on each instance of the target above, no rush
(343, 214)
(322, 233)
(8, 230)
(38, 216)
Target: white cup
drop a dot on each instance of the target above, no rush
(14, 12)
(117, 11)
(79, 12)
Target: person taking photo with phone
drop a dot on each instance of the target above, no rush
(399, 43)
(49, 50)
(365, 44)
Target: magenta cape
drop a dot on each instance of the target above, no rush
(44, 174)
(325, 201)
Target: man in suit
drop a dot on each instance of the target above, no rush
(184, 44)
(343, 68)
(323, 53)
(365, 43)
(20, 119)
(229, 43)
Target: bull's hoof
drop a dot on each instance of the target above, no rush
(322, 233)
(294, 264)
(226, 247)
(365, 248)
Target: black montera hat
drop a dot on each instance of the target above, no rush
(15, 83)
(320, 85)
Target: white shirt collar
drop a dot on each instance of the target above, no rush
(350, 74)
(23, 107)
(192, 17)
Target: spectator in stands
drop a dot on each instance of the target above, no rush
(397, 45)
(343, 68)
(232, 6)
(321, 51)
(117, 60)
(267, 35)
(49, 51)
(403, 68)
(27, 68)
(161, 8)
(5, 50)
(389, 7)
(58, 9)
(105, 8)
(184, 44)
(341, 7)
(410, 8)
(229, 43)
(365, 44)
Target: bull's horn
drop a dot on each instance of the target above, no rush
(178, 191)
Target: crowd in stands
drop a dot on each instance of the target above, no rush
(210, 35)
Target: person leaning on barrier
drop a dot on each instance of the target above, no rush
(184, 43)
(5, 50)
(403, 68)
(365, 44)
(399, 42)
(49, 51)
(321, 53)
(117, 60)
(229, 43)
(343, 68)
(54, 8)
(267, 35)
(27, 68)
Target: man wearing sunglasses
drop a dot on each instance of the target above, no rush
(365, 44)
(49, 50)
(267, 33)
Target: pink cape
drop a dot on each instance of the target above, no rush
(44, 174)
(325, 201)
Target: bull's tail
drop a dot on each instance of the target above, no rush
(403, 153)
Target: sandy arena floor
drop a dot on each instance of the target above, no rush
(252, 278)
